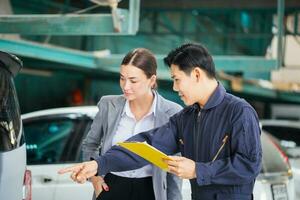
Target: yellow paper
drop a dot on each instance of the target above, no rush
(147, 152)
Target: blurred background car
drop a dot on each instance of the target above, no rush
(276, 179)
(287, 132)
(54, 139)
(14, 178)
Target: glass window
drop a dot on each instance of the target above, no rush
(88, 123)
(288, 136)
(11, 136)
(73, 152)
(46, 140)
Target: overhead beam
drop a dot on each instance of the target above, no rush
(112, 63)
(74, 24)
(216, 4)
(48, 53)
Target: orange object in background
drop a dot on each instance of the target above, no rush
(77, 97)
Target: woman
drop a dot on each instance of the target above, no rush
(139, 109)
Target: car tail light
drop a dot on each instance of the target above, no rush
(283, 155)
(27, 185)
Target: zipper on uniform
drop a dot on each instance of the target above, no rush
(197, 133)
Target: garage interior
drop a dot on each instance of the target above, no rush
(72, 50)
(79, 58)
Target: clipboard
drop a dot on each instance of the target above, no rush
(148, 152)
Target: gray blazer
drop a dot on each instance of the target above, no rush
(166, 186)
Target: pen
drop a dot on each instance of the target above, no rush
(220, 149)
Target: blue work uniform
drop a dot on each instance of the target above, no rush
(199, 134)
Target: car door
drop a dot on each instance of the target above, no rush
(66, 188)
(51, 146)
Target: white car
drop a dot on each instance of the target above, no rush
(54, 138)
(288, 134)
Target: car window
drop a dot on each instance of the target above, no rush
(46, 140)
(288, 136)
(73, 152)
(88, 123)
(11, 135)
(274, 160)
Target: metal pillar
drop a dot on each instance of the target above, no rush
(280, 32)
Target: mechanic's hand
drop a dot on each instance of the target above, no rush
(81, 172)
(182, 167)
(99, 184)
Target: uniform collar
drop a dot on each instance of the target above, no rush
(215, 99)
(128, 112)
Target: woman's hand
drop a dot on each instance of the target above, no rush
(99, 184)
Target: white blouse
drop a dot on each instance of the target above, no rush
(129, 127)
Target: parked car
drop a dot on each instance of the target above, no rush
(14, 178)
(53, 141)
(288, 135)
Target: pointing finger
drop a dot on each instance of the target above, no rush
(88, 170)
(74, 169)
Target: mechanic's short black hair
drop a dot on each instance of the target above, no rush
(191, 55)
